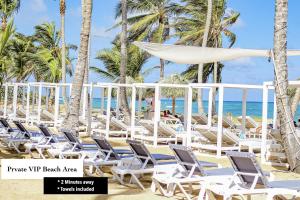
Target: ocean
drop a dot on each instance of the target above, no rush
(254, 109)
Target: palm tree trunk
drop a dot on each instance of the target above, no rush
(72, 117)
(204, 43)
(140, 102)
(162, 69)
(123, 96)
(295, 102)
(173, 105)
(215, 80)
(62, 7)
(86, 80)
(287, 129)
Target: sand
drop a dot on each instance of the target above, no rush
(33, 189)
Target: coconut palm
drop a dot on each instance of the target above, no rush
(124, 59)
(71, 120)
(173, 92)
(191, 27)
(23, 53)
(6, 37)
(204, 43)
(135, 69)
(150, 21)
(7, 9)
(49, 52)
(290, 140)
(62, 10)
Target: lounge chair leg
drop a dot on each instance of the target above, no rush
(202, 192)
(183, 191)
(153, 186)
(137, 181)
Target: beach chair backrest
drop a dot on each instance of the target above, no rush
(106, 148)
(187, 159)
(200, 119)
(165, 129)
(141, 153)
(22, 129)
(72, 139)
(228, 123)
(46, 132)
(230, 137)
(5, 124)
(118, 123)
(247, 168)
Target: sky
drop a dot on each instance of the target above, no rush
(254, 30)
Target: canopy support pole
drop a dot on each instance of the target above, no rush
(189, 116)
(108, 111)
(244, 110)
(56, 105)
(5, 100)
(210, 97)
(28, 104)
(156, 114)
(118, 103)
(15, 99)
(133, 97)
(264, 123)
(84, 102)
(102, 99)
(39, 103)
(220, 121)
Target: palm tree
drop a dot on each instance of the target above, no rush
(123, 63)
(62, 9)
(6, 37)
(150, 21)
(49, 51)
(72, 116)
(290, 140)
(7, 9)
(174, 92)
(23, 54)
(204, 43)
(191, 28)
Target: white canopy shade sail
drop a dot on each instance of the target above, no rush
(195, 55)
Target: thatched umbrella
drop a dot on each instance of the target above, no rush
(173, 92)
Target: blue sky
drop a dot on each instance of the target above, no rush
(254, 30)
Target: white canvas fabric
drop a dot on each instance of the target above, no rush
(194, 55)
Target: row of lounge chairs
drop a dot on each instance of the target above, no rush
(169, 173)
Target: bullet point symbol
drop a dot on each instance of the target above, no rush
(58, 188)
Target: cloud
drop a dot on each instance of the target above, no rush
(38, 5)
(241, 62)
(102, 32)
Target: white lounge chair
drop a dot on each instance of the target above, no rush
(189, 171)
(248, 180)
(47, 141)
(230, 141)
(199, 119)
(107, 155)
(74, 148)
(144, 163)
(166, 133)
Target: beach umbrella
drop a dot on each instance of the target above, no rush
(173, 92)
